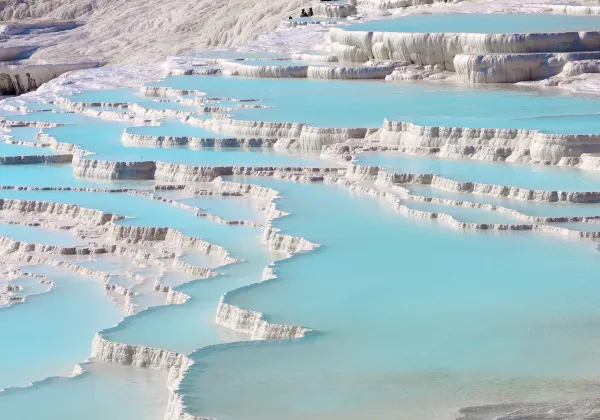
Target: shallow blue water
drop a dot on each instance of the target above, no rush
(160, 105)
(23, 133)
(464, 214)
(52, 117)
(41, 107)
(416, 324)
(482, 23)
(104, 140)
(229, 208)
(109, 96)
(197, 315)
(30, 286)
(582, 227)
(108, 391)
(172, 127)
(18, 150)
(331, 103)
(413, 321)
(537, 177)
(529, 208)
(51, 332)
(184, 328)
(142, 210)
(40, 175)
(40, 235)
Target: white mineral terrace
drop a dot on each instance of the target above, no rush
(186, 236)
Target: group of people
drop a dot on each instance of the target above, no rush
(304, 13)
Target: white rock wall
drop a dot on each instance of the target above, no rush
(18, 79)
(441, 48)
(334, 10)
(513, 68)
(541, 146)
(349, 73)
(253, 324)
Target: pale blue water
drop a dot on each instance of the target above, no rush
(51, 332)
(23, 133)
(109, 96)
(108, 391)
(229, 208)
(229, 104)
(18, 150)
(195, 257)
(30, 286)
(142, 210)
(482, 23)
(40, 175)
(413, 321)
(104, 140)
(52, 117)
(118, 267)
(331, 103)
(464, 214)
(175, 322)
(582, 227)
(537, 177)
(173, 127)
(529, 208)
(41, 107)
(40, 235)
(167, 105)
(198, 314)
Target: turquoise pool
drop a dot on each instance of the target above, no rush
(414, 325)
(536, 177)
(335, 103)
(487, 23)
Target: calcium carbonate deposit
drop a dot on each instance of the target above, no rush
(386, 209)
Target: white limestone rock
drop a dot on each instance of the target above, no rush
(238, 68)
(334, 10)
(93, 168)
(253, 323)
(349, 73)
(285, 243)
(18, 79)
(441, 48)
(541, 146)
(70, 212)
(513, 68)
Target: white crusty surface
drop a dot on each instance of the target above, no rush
(119, 31)
(441, 48)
